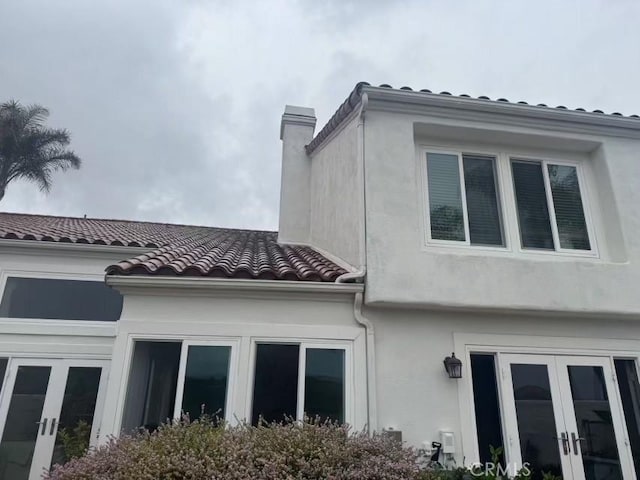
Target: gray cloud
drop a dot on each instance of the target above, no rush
(175, 106)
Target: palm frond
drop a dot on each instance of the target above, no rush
(29, 149)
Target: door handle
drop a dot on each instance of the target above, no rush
(43, 424)
(575, 439)
(565, 442)
(53, 426)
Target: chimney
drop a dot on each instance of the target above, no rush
(296, 131)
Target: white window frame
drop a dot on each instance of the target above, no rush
(426, 150)
(35, 274)
(544, 163)
(234, 343)
(231, 373)
(303, 345)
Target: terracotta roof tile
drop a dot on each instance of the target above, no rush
(355, 96)
(182, 250)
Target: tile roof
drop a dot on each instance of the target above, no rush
(354, 97)
(182, 250)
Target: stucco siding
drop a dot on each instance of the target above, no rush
(245, 319)
(336, 196)
(403, 268)
(416, 396)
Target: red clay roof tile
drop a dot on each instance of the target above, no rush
(182, 250)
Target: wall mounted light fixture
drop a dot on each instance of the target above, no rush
(453, 366)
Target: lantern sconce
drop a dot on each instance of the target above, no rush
(453, 366)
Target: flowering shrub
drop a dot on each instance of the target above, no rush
(200, 450)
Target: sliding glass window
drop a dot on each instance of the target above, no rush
(550, 206)
(463, 199)
(294, 381)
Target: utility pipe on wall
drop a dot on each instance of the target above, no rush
(372, 413)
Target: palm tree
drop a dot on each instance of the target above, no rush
(29, 149)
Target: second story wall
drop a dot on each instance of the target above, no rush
(405, 266)
(337, 213)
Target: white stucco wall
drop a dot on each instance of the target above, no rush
(404, 269)
(416, 396)
(336, 196)
(296, 131)
(244, 317)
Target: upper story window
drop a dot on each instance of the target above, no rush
(59, 299)
(465, 202)
(463, 199)
(550, 207)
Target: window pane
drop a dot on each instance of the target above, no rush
(205, 381)
(533, 211)
(485, 400)
(76, 416)
(630, 394)
(21, 428)
(324, 384)
(536, 420)
(445, 199)
(275, 389)
(482, 200)
(151, 393)
(567, 204)
(60, 299)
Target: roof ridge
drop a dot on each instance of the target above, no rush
(144, 222)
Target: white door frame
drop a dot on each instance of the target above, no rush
(513, 454)
(59, 371)
(615, 404)
(499, 344)
(564, 413)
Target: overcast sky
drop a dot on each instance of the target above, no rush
(174, 106)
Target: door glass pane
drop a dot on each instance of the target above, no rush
(482, 200)
(533, 211)
(487, 406)
(275, 389)
(630, 394)
(324, 384)
(595, 425)
(205, 381)
(21, 428)
(445, 198)
(567, 204)
(536, 419)
(76, 415)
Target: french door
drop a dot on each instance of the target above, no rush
(48, 408)
(563, 416)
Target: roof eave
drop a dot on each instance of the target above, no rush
(514, 113)
(42, 245)
(202, 285)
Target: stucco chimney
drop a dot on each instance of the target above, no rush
(296, 131)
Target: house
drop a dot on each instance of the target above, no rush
(412, 225)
